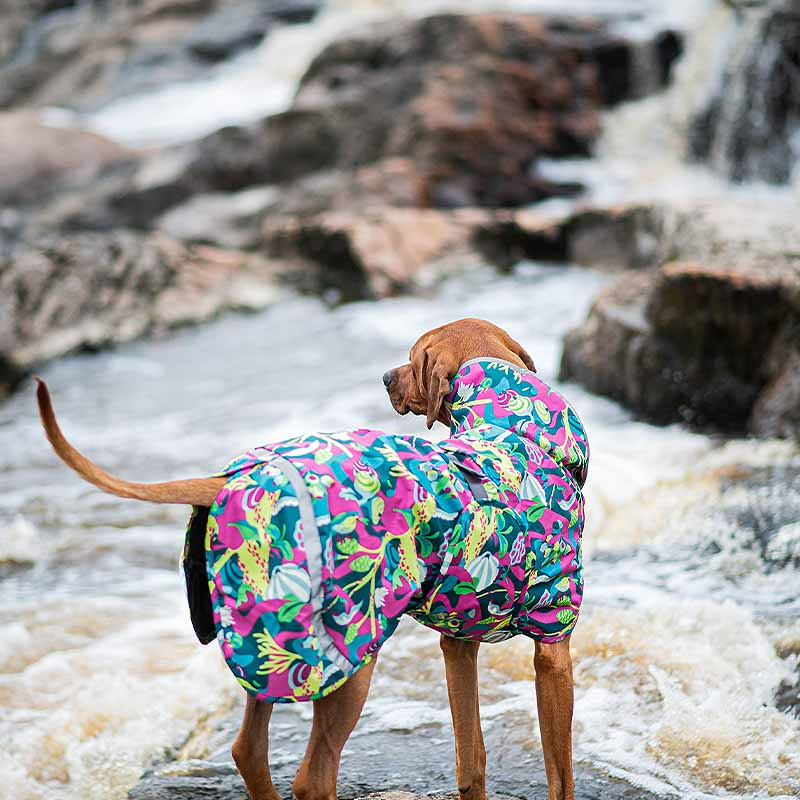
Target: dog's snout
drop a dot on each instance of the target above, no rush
(388, 376)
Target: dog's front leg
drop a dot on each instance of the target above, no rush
(554, 699)
(335, 716)
(461, 669)
(251, 750)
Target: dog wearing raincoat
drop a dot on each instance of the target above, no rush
(301, 556)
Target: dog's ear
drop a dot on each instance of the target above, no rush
(433, 365)
(438, 388)
(519, 350)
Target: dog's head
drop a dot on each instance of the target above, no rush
(422, 385)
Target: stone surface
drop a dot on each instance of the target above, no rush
(83, 54)
(64, 293)
(626, 236)
(402, 765)
(35, 157)
(695, 343)
(376, 252)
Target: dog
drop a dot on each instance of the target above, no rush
(301, 556)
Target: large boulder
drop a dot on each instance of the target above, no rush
(36, 157)
(89, 290)
(716, 348)
(472, 128)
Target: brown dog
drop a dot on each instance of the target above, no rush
(420, 387)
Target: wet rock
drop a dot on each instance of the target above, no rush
(81, 55)
(749, 127)
(375, 252)
(64, 293)
(624, 236)
(471, 129)
(694, 343)
(474, 126)
(510, 237)
(229, 220)
(403, 765)
(36, 157)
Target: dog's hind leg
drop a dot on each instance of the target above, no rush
(461, 669)
(554, 691)
(335, 716)
(251, 750)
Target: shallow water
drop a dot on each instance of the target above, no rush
(676, 652)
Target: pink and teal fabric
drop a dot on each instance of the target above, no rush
(317, 545)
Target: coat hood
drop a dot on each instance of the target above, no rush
(493, 392)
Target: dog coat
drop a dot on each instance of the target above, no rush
(317, 545)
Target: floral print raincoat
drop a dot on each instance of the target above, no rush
(317, 545)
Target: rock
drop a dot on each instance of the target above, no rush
(235, 27)
(474, 126)
(776, 411)
(376, 252)
(689, 342)
(36, 157)
(509, 237)
(711, 340)
(228, 220)
(417, 764)
(749, 127)
(63, 293)
(626, 236)
(85, 54)
(468, 130)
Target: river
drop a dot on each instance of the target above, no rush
(675, 654)
(686, 650)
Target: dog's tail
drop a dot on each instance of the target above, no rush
(195, 491)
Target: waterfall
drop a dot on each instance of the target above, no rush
(750, 126)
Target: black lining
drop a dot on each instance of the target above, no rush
(194, 568)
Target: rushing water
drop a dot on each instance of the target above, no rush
(690, 623)
(676, 661)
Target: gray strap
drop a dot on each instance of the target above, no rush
(313, 547)
(473, 480)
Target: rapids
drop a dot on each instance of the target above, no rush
(677, 654)
(689, 637)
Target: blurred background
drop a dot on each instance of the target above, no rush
(222, 220)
